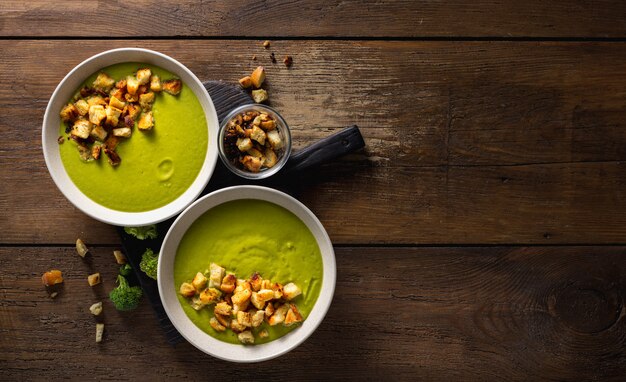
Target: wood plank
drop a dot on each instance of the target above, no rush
(402, 18)
(399, 313)
(484, 142)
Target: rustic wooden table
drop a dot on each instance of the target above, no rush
(480, 235)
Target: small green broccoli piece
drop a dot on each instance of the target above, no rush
(126, 270)
(125, 297)
(142, 233)
(149, 262)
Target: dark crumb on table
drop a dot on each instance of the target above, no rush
(254, 57)
(288, 61)
(273, 58)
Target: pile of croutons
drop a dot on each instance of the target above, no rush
(252, 141)
(242, 305)
(105, 113)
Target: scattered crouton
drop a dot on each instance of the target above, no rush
(259, 95)
(246, 337)
(155, 83)
(143, 76)
(81, 248)
(146, 100)
(245, 82)
(99, 332)
(52, 277)
(120, 258)
(291, 291)
(216, 273)
(187, 290)
(94, 279)
(264, 333)
(96, 308)
(172, 86)
(258, 76)
(146, 121)
(199, 281)
(216, 325)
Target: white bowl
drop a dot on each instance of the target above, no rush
(213, 346)
(51, 125)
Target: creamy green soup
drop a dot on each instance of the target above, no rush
(157, 165)
(247, 236)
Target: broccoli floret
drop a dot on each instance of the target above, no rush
(142, 233)
(149, 262)
(125, 297)
(125, 270)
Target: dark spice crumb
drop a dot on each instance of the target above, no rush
(288, 61)
(254, 57)
(273, 58)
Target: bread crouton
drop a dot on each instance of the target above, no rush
(244, 144)
(222, 308)
(52, 277)
(131, 97)
(264, 333)
(216, 273)
(143, 76)
(291, 291)
(187, 290)
(246, 337)
(255, 281)
(252, 164)
(113, 157)
(245, 82)
(99, 133)
(124, 132)
(133, 111)
(99, 332)
(146, 121)
(258, 76)
(146, 100)
(197, 304)
(269, 309)
(278, 290)
(96, 149)
(241, 297)
(94, 279)
(236, 326)
(256, 301)
(103, 82)
(215, 324)
(293, 316)
(257, 318)
(274, 139)
(279, 315)
(210, 295)
(241, 307)
(258, 135)
(228, 283)
(259, 95)
(222, 319)
(112, 115)
(268, 125)
(172, 86)
(82, 107)
(116, 103)
(96, 308)
(199, 281)
(81, 129)
(69, 113)
(132, 85)
(155, 83)
(95, 100)
(244, 318)
(265, 294)
(97, 114)
(270, 158)
(266, 284)
(120, 258)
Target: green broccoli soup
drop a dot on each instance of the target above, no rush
(137, 152)
(247, 237)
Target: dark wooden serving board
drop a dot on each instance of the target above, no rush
(225, 98)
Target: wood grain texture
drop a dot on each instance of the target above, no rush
(400, 18)
(466, 142)
(542, 313)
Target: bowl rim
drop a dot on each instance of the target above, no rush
(51, 125)
(284, 130)
(237, 352)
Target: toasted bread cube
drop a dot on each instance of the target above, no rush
(244, 144)
(199, 281)
(69, 113)
(270, 158)
(291, 291)
(103, 82)
(274, 139)
(197, 304)
(94, 279)
(52, 277)
(236, 327)
(246, 337)
(269, 309)
(82, 107)
(245, 82)
(223, 319)
(112, 142)
(120, 258)
(252, 164)
(133, 111)
(95, 100)
(279, 315)
(113, 115)
(257, 318)
(155, 83)
(258, 135)
(243, 284)
(216, 274)
(255, 153)
(122, 132)
(266, 284)
(278, 290)
(187, 290)
(240, 307)
(121, 84)
(293, 316)
(244, 318)
(268, 125)
(256, 301)
(96, 308)
(215, 324)
(258, 76)
(241, 297)
(81, 248)
(97, 114)
(81, 129)
(228, 283)
(255, 281)
(257, 121)
(99, 133)
(222, 308)
(113, 157)
(265, 294)
(131, 97)
(264, 333)
(96, 149)
(117, 103)
(172, 86)
(259, 95)
(132, 85)
(146, 121)
(84, 152)
(143, 76)
(146, 100)
(99, 332)
(210, 296)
